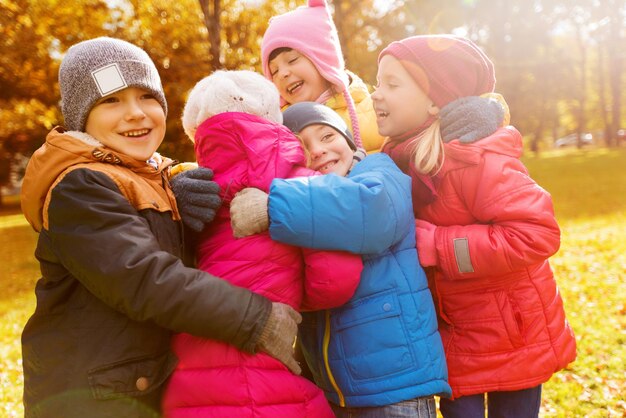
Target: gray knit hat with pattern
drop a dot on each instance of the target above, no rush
(98, 67)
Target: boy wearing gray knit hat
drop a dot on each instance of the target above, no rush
(99, 67)
(114, 287)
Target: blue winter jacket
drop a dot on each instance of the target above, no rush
(382, 347)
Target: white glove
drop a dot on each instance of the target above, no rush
(248, 212)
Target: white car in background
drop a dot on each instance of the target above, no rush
(572, 140)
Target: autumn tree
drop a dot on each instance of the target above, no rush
(559, 65)
(560, 68)
(32, 40)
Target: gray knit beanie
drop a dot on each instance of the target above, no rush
(98, 67)
(300, 115)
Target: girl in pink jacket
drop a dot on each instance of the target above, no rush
(485, 231)
(234, 119)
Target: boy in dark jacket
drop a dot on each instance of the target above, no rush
(110, 241)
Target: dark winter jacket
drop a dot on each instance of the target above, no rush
(113, 285)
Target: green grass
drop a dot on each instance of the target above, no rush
(17, 302)
(589, 191)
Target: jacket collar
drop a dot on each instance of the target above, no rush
(65, 149)
(505, 141)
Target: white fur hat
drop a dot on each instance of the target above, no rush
(231, 91)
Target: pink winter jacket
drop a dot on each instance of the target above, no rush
(501, 316)
(213, 379)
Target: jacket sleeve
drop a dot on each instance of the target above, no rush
(106, 245)
(331, 278)
(515, 226)
(365, 213)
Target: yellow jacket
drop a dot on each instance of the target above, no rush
(372, 141)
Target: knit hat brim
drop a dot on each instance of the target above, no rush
(301, 115)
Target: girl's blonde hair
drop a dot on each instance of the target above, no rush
(427, 150)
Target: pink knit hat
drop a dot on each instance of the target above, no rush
(311, 31)
(446, 67)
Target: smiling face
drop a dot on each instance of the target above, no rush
(130, 121)
(400, 104)
(296, 77)
(328, 151)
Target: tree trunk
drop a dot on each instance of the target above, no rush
(339, 17)
(211, 10)
(603, 105)
(581, 117)
(539, 128)
(616, 52)
(5, 167)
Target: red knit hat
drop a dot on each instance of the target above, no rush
(446, 67)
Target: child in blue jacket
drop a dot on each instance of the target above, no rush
(380, 354)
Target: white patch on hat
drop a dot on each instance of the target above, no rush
(109, 79)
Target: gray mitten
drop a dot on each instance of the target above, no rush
(279, 334)
(197, 197)
(471, 118)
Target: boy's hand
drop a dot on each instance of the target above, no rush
(279, 334)
(248, 212)
(197, 197)
(471, 118)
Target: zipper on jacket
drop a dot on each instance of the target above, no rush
(186, 254)
(342, 401)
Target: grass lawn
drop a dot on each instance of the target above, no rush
(17, 302)
(589, 191)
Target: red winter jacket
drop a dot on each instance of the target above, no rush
(214, 379)
(501, 317)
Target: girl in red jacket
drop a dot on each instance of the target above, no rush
(485, 231)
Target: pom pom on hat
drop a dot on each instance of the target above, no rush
(446, 67)
(230, 91)
(101, 66)
(300, 115)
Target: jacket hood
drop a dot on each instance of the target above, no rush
(364, 111)
(357, 89)
(505, 141)
(62, 150)
(246, 150)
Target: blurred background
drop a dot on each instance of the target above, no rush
(559, 63)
